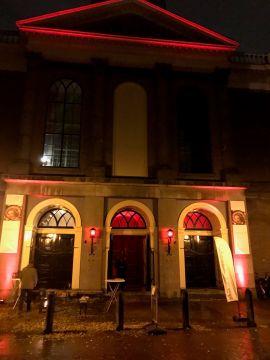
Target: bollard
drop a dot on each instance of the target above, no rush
(154, 304)
(155, 328)
(120, 311)
(250, 309)
(50, 313)
(185, 309)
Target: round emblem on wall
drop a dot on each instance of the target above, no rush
(13, 212)
(238, 217)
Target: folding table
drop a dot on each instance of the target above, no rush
(113, 288)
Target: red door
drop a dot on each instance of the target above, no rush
(129, 250)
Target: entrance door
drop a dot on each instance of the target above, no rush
(54, 260)
(130, 249)
(199, 261)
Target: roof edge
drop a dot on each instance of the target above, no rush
(66, 11)
(145, 3)
(191, 23)
(127, 39)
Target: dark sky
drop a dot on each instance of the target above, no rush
(247, 21)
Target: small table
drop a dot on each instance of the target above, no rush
(113, 286)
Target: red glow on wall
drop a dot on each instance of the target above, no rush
(39, 182)
(164, 232)
(127, 39)
(87, 232)
(240, 266)
(8, 266)
(215, 187)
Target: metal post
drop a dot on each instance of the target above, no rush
(154, 304)
(155, 328)
(185, 309)
(250, 309)
(50, 313)
(120, 311)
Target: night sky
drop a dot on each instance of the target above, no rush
(246, 21)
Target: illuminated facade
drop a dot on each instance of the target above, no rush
(126, 119)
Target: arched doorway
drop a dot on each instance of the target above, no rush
(199, 251)
(216, 219)
(52, 251)
(36, 226)
(130, 252)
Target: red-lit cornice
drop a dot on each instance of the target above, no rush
(127, 39)
(29, 182)
(64, 182)
(214, 187)
(191, 24)
(65, 12)
(176, 18)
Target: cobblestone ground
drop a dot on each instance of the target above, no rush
(93, 335)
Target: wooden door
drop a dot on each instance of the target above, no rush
(199, 261)
(130, 250)
(54, 260)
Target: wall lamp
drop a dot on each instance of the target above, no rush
(92, 236)
(170, 235)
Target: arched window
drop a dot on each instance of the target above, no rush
(197, 221)
(128, 218)
(57, 218)
(62, 133)
(130, 157)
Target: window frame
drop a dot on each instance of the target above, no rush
(58, 127)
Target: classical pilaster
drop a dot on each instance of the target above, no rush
(228, 168)
(22, 164)
(164, 122)
(97, 165)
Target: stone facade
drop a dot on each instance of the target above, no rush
(199, 117)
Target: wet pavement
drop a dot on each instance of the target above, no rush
(214, 335)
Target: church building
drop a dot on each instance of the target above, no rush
(131, 135)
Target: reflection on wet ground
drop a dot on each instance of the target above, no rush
(231, 344)
(93, 336)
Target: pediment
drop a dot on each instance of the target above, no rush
(133, 19)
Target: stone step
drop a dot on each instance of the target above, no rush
(132, 296)
(206, 294)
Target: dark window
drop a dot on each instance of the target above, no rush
(128, 218)
(62, 133)
(57, 218)
(196, 221)
(194, 143)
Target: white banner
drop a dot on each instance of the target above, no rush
(227, 269)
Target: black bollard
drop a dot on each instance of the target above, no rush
(250, 309)
(120, 311)
(185, 309)
(50, 313)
